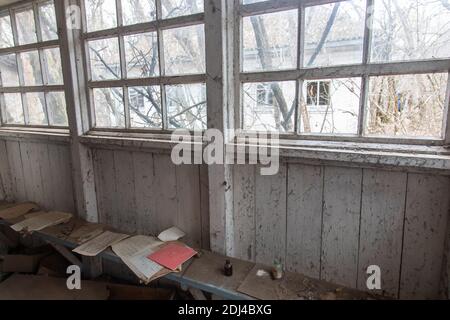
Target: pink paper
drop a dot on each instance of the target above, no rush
(172, 255)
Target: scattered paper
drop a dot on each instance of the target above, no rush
(86, 233)
(42, 221)
(262, 273)
(172, 255)
(17, 210)
(94, 246)
(133, 252)
(33, 214)
(172, 234)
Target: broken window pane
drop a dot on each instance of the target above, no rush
(104, 59)
(31, 68)
(175, 8)
(332, 106)
(145, 107)
(138, 11)
(408, 30)
(53, 64)
(270, 41)
(186, 106)
(13, 108)
(6, 36)
(269, 106)
(406, 105)
(35, 104)
(109, 109)
(141, 54)
(184, 50)
(8, 71)
(26, 29)
(100, 14)
(56, 107)
(47, 20)
(334, 33)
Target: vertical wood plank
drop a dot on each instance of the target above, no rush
(341, 215)
(32, 161)
(271, 217)
(304, 219)
(204, 206)
(16, 167)
(124, 191)
(6, 192)
(146, 189)
(188, 198)
(166, 206)
(427, 207)
(244, 212)
(382, 216)
(105, 185)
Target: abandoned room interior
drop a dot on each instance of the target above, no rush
(224, 149)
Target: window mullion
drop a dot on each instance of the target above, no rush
(365, 79)
(300, 56)
(446, 119)
(164, 117)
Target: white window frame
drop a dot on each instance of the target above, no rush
(301, 74)
(158, 25)
(39, 46)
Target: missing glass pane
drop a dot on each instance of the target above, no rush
(406, 105)
(141, 54)
(175, 8)
(334, 33)
(408, 30)
(184, 50)
(13, 111)
(8, 71)
(269, 106)
(145, 107)
(47, 20)
(100, 14)
(138, 11)
(56, 107)
(109, 108)
(186, 106)
(332, 106)
(26, 28)
(270, 41)
(104, 59)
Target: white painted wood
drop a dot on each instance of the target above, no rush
(381, 234)
(304, 219)
(425, 231)
(15, 164)
(6, 186)
(145, 192)
(341, 218)
(125, 208)
(244, 212)
(270, 196)
(188, 200)
(106, 183)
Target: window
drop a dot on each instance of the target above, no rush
(355, 68)
(31, 78)
(144, 71)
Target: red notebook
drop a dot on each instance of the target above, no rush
(172, 255)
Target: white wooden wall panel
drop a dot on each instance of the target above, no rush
(304, 219)
(6, 185)
(270, 196)
(146, 193)
(40, 172)
(382, 217)
(244, 212)
(425, 229)
(341, 217)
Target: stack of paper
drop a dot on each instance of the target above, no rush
(42, 221)
(15, 211)
(95, 246)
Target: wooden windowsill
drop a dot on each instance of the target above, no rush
(35, 134)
